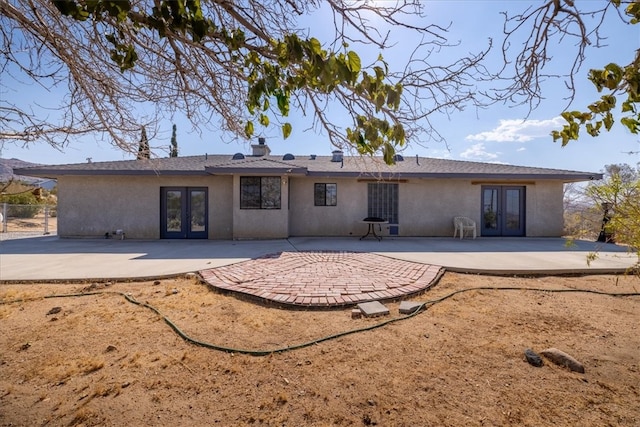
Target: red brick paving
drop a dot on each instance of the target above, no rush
(323, 279)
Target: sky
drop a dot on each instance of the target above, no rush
(501, 133)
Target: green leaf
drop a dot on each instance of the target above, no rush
(264, 120)
(631, 123)
(286, 130)
(608, 121)
(248, 129)
(353, 62)
(315, 46)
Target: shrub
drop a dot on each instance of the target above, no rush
(21, 205)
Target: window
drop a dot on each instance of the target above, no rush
(383, 201)
(259, 192)
(325, 194)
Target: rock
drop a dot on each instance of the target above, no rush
(110, 348)
(356, 313)
(156, 283)
(54, 310)
(191, 276)
(533, 358)
(561, 358)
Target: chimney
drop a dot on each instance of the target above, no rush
(337, 156)
(261, 149)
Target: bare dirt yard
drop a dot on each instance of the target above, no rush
(101, 360)
(37, 224)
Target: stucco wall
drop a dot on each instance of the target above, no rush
(90, 206)
(341, 220)
(261, 223)
(426, 207)
(544, 210)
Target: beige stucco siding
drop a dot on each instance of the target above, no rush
(90, 206)
(427, 206)
(306, 219)
(261, 223)
(544, 210)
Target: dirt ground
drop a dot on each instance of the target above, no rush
(102, 360)
(36, 224)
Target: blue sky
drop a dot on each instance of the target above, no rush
(500, 133)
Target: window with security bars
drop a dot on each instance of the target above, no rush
(383, 201)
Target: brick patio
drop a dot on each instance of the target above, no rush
(324, 279)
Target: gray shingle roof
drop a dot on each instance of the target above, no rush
(351, 166)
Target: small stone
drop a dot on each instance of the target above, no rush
(54, 310)
(25, 346)
(174, 291)
(190, 275)
(53, 319)
(356, 313)
(533, 358)
(110, 348)
(156, 283)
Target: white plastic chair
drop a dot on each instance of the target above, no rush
(463, 224)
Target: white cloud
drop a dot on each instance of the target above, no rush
(518, 130)
(478, 152)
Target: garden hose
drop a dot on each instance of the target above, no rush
(419, 309)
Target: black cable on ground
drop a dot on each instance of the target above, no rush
(422, 307)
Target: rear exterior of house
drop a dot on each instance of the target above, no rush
(261, 196)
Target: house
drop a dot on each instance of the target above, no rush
(263, 196)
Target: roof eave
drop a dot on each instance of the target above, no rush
(213, 170)
(475, 176)
(55, 173)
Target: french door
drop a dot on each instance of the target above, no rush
(183, 213)
(503, 210)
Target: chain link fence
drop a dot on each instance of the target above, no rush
(27, 220)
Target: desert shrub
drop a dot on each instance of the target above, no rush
(21, 205)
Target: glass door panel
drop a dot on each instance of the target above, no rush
(503, 211)
(183, 213)
(173, 211)
(198, 211)
(512, 209)
(490, 198)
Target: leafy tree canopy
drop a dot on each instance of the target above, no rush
(620, 83)
(619, 191)
(243, 64)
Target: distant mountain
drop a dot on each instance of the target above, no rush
(8, 165)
